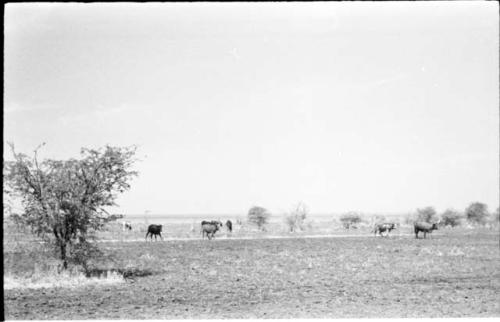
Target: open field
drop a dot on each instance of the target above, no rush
(454, 274)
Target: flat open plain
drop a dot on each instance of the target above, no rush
(454, 274)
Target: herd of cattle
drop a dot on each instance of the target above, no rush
(209, 228)
(419, 226)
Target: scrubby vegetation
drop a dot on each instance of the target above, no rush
(477, 213)
(296, 217)
(451, 218)
(350, 219)
(64, 201)
(427, 214)
(258, 216)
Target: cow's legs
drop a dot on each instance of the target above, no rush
(160, 236)
(147, 236)
(425, 235)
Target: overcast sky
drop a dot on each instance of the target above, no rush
(367, 106)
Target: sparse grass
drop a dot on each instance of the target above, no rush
(454, 274)
(74, 278)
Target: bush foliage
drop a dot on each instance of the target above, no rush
(477, 213)
(451, 218)
(350, 219)
(258, 216)
(64, 201)
(427, 214)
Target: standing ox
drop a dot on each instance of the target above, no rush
(424, 227)
(229, 226)
(380, 228)
(209, 228)
(154, 230)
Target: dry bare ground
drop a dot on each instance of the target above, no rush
(455, 274)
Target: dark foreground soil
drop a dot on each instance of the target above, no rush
(455, 274)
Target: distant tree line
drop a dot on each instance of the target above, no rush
(476, 214)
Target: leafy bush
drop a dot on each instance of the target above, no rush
(258, 216)
(350, 219)
(295, 219)
(63, 201)
(477, 213)
(451, 218)
(427, 214)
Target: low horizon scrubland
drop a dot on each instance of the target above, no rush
(28, 260)
(454, 274)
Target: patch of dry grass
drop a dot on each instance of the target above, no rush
(53, 278)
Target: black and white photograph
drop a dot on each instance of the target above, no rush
(251, 160)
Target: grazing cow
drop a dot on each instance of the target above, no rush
(209, 228)
(229, 226)
(380, 228)
(154, 230)
(127, 225)
(424, 227)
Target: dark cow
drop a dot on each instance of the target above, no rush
(424, 227)
(209, 228)
(380, 228)
(229, 226)
(154, 230)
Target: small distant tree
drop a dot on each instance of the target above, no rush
(295, 219)
(63, 201)
(258, 216)
(427, 214)
(451, 218)
(350, 219)
(477, 213)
